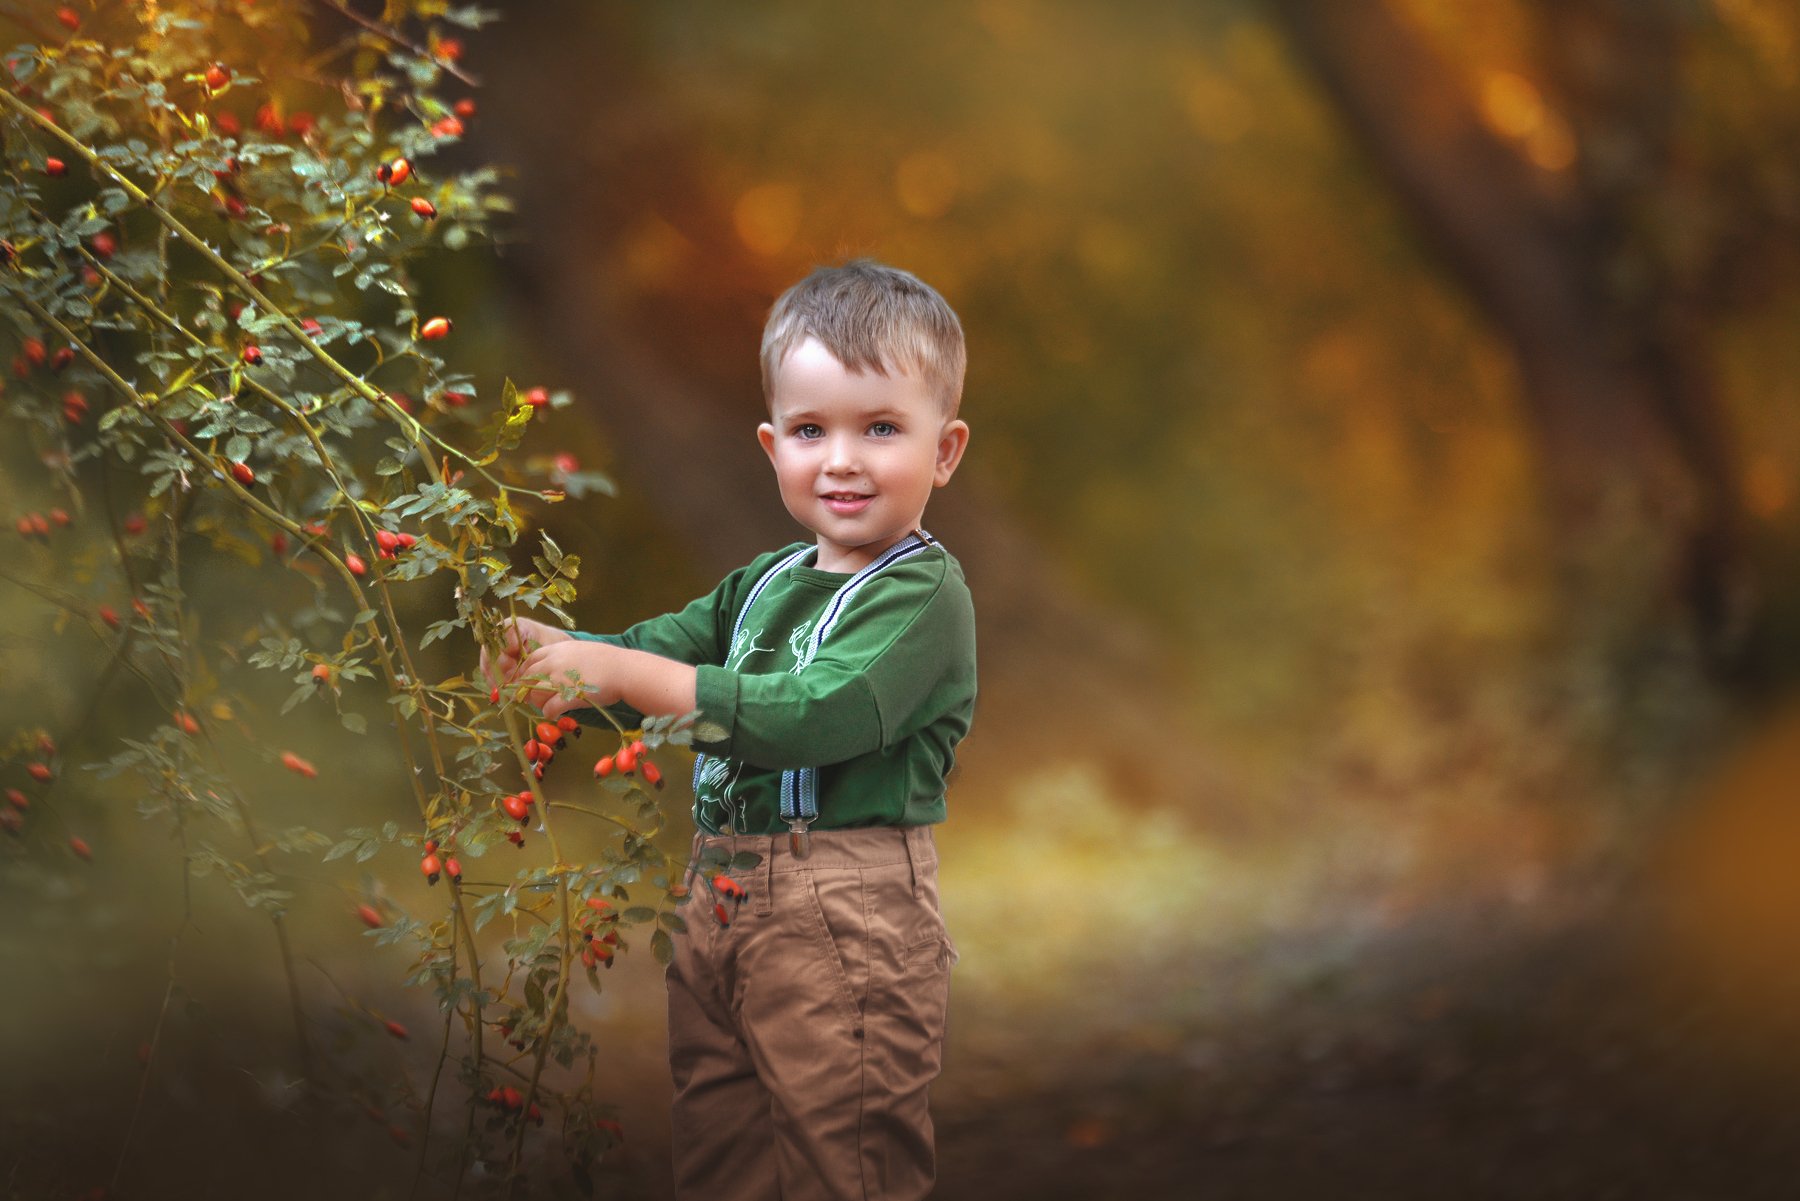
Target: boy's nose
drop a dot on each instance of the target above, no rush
(841, 455)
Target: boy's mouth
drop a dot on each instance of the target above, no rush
(846, 502)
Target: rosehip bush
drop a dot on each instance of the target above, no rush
(219, 354)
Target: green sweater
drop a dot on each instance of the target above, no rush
(878, 712)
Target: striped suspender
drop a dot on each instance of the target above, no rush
(799, 788)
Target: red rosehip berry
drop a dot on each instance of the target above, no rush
(80, 847)
(516, 838)
(217, 77)
(386, 539)
(548, 731)
(301, 124)
(435, 328)
(62, 358)
(186, 722)
(424, 208)
(40, 525)
(35, 353)
(104, 244)
(429, 867)
(494, 696)
(69, 17)
(228, 124)
(39, 772)
(627, 759)
(278, 543)
(55, 167)
(269, 121)
(719, 912)
(464, 108)
(298, 766)
(110, 616)
(395, 173)
(452, 868)
(242, 473)
(604, 768)
(537, 398)
(135, 524)
(321, 673)
(447, 127)
(371, 916)
(652, 773)
(407, 541)
(140, 608)
(397, 1030)
(455, 400)
(515, 808)
(354, 562)
(450, 49)
(60, 517)
(253, 355)
(17, 799)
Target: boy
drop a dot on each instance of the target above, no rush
(836, 678)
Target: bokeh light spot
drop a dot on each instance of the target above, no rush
(1511, 104)
(767, 217)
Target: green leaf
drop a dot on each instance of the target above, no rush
(662, 946)
(355, 723)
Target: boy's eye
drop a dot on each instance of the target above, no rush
(806, 431)
(884, 429)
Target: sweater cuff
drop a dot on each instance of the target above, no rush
(716, 696)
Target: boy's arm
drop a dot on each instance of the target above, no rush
(611, 677)
(693, 635)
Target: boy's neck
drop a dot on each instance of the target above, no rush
(848, 563)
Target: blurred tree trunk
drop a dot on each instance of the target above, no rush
(1612, 347)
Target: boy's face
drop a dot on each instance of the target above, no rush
(856, 456)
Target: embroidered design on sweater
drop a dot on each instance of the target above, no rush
(742, 647)
(797, 642)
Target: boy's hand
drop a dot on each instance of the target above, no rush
(565, 661)
(518, 638)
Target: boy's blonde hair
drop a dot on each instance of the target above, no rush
(870, 317)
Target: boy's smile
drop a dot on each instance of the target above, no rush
(856, 455)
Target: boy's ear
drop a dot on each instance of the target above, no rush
(951, 444)
(765, 434)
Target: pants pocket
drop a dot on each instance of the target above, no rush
(835, 903)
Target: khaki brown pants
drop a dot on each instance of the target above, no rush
(804, 1034)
